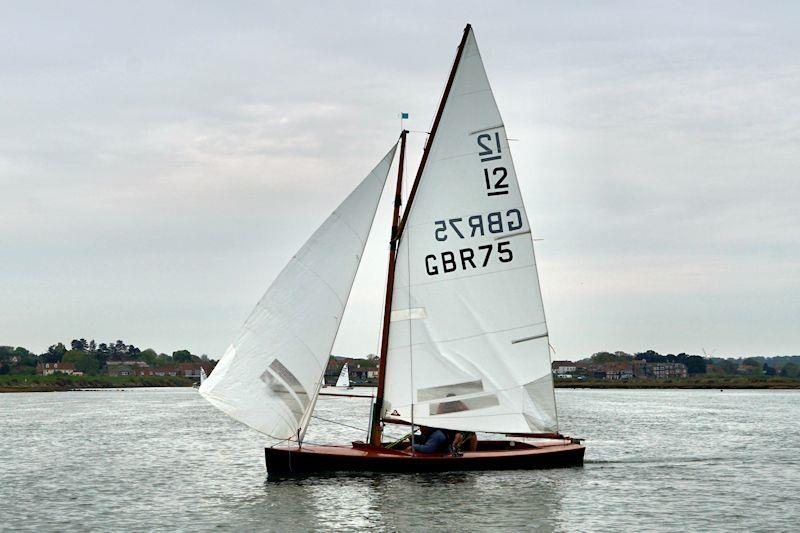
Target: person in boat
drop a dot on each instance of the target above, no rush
(460, 439)
(430, 440)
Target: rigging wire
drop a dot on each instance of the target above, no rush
(337, 423)
(410, 325)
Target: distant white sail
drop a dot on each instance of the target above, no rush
(270, 376)
(468, 343)
(202, 375)
(344, 377)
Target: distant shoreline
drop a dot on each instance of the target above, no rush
(23, 383)
(704, 382)
(75, 383)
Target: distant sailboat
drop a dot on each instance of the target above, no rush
(344, 378)
(464, 341)
(202, 375)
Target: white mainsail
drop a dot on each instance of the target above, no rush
(270, 376)
(468, 342)
(344, 377)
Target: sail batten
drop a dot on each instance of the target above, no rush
(269, 377)
(465, 259)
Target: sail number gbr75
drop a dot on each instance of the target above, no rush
(462, 228)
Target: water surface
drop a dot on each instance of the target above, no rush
(164, 459)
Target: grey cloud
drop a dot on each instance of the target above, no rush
(160, 162)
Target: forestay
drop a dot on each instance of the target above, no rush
(270, 376)
(468, 344)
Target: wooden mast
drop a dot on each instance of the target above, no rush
(397, 230)
(375, 423)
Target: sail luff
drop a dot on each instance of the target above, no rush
(269, 377)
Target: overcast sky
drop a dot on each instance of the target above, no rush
(160, 162)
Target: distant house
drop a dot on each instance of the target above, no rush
(618, 371)
(120, 370)
(190, 370)
(644, 370)
(564, 369)
(668, 370)
(124, 368)
(187, 370)
(359, 373)
(48, 369)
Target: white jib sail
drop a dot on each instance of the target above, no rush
(270, 376)
(344, 377)
(468, 344)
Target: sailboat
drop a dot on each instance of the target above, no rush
(464, 341)
(344, 378)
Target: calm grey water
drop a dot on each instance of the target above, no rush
(163, 459)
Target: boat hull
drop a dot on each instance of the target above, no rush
(493, 455)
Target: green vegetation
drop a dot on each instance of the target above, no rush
(21, 369)
(62, 382)
(786, 366)
(695, 364)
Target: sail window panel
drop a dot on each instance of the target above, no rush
(466, 404)
(288, 378)
(281, 392)
(456, 389)
(510, 365)
(493, 419)
(437, 368)
(432, 363)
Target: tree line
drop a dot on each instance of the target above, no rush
(89, 357)
(783, 365)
